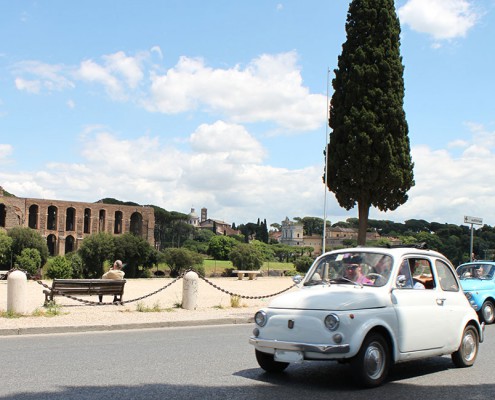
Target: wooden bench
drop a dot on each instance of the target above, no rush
(86, 287)
(250, 274)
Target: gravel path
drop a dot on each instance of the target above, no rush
(214, 306)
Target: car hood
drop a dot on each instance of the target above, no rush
(335, 297)
(474, 284)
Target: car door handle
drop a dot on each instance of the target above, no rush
(441, 301)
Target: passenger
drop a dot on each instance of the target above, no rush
(354, 273)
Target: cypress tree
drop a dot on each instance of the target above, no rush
(369, 161)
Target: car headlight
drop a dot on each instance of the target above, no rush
(332, 322)
(260, 318)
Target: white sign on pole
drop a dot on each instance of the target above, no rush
(473, 220)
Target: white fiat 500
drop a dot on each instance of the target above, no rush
(371, 307)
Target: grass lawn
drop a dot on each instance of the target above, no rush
(218, 267)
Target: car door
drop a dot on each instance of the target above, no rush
(418, 310)
(454, 303)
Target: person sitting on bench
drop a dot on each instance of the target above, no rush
(115, 273)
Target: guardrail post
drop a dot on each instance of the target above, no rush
(190, 291)
(16, 292)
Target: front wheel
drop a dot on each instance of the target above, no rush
(372, 363)
(468, 350)
(267, 362)
(488, 312)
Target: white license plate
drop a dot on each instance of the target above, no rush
(288, 356)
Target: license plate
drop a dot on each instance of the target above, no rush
(288, 356)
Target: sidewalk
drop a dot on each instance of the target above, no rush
(214, 306)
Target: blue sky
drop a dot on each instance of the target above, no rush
(222, 104)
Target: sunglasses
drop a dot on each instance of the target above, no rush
(352, 267)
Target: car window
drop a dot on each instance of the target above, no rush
(478, 270)
(446, 277)
(362, 268)
(415, 273)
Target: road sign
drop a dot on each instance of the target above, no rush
(473, 220)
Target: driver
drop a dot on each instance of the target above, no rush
(354, 273)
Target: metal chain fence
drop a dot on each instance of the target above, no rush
(95, 303)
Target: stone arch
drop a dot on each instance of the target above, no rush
(117, 228)
(70, 244)
(52, 217)
(70, 219)
(3, 215)
(51, 242)
(102, 220)
(87, 220)
(33, 215)
(136, 226)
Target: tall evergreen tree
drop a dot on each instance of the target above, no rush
(369, 161)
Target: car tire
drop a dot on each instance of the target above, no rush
(372, 362)
(267, 362)
(487, 312)
(466, 355)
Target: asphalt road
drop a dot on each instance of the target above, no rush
(210, 363)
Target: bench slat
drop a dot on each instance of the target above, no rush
(85, 287)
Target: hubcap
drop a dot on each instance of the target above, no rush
(469, 346)
(374, 360)
(488, 313)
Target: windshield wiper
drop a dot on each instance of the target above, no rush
(344, 279)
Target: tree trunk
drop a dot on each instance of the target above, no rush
(364, 209)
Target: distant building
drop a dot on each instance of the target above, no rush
(218, 226)
(65, 224)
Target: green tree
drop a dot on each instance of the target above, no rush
(30, 260)
(369, 161)
(220, 247)
(303, 263)
(5, 250)
(182, 259)
(94, 251)
(59, 267)
(246, 257)
(134, 251)
(26, 238)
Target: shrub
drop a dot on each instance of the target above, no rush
(30, 261)
(303, 263)
(59, 267)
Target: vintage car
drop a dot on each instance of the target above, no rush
(478, 283)
(372, 307)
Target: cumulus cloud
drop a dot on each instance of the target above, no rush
(442, 19)
(269, 88)
(5, 151)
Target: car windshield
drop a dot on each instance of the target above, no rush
(361, 268)
(476, 271)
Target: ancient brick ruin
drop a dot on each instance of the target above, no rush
(65, 224)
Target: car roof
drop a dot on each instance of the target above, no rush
(398, 251)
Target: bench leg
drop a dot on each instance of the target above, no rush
(251, 276)
(240, 275)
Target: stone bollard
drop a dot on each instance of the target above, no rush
(190, 291)
(16, 292)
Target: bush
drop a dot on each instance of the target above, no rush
(303, 263)
(76, 263)
(30, 261)
(59, 268)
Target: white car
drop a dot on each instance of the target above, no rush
(371, 307)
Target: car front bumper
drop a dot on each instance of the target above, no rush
(322, 348)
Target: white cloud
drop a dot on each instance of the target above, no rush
(442, 19)
(93, 72)
(41, 76)
(270, 89)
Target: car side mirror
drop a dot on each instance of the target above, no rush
(297, 279)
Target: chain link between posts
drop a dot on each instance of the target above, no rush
(181, 276)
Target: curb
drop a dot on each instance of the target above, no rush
(119, 327)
